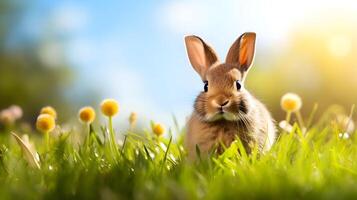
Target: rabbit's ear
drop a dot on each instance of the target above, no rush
(200, 54)
(241, 52)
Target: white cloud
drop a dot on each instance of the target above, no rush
(69, 18)
(185, 16)
(223, 20)
(81, 52)
(272, 20)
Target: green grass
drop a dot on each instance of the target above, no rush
(318, 165)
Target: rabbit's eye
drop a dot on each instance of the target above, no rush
(205, 87)
(238, 84)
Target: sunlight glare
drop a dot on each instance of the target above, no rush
(339, 46)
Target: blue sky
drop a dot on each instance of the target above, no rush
(134, 52)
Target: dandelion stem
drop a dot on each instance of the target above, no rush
(112, 137)
(299, 117)
(89, 129)
(47, 138)
(288, 116)
(88, 138)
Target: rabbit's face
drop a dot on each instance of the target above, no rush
(223, 95)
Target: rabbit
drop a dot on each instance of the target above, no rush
(224, 109)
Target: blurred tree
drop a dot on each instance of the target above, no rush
(28, 78)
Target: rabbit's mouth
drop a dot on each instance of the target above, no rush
(222, 115)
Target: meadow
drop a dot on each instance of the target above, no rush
(315, 159)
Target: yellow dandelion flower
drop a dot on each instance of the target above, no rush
(86, 114)
(291, 102)
(158, 129)
(132, 119)
(49, 110)
(45, 123)
(109, 107)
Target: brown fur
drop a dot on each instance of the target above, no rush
(225, 112)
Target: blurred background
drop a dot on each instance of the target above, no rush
(73, 53)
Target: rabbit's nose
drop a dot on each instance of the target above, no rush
(224, 103)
